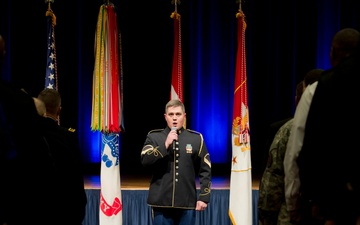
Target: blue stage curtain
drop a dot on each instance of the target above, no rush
(92, 207)
(137, 212)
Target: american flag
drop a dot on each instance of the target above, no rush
(51, 70)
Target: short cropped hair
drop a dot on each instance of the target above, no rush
(174, 103)
(52, 100)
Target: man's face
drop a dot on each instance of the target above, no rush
(175, 117)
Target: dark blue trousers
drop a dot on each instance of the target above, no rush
(173, 216)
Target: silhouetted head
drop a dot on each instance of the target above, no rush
(52, 100)
(344, 43)
(310, 77)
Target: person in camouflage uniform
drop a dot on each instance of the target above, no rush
(272, 205)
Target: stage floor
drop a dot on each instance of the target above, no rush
(142, 183)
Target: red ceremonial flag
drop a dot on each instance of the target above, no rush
(240, 200)
(107, 112)
(177, 68)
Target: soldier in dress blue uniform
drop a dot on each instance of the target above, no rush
(176, 157)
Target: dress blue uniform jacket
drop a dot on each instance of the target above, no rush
(175, 169)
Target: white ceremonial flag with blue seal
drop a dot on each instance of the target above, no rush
(110, 195)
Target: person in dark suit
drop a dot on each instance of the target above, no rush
(328, 161)
(176, 156)
(64, 147)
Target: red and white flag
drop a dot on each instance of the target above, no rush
(177, 67)
(240, 200)
(177, 87)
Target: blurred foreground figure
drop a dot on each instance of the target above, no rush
(29, 175)
(319, 158)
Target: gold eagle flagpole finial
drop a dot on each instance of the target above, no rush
(240, 9)
(49, 3)
(240, 12)
(49, 11)
(176, 3)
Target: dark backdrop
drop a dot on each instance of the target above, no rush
(284, 39)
